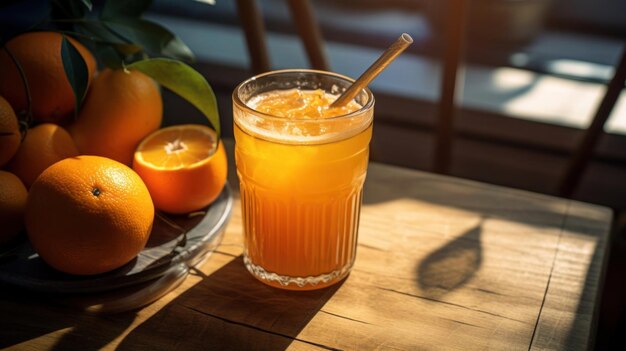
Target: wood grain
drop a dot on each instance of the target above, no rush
(442, 264)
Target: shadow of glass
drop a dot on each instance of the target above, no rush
(230, 308)
(452, 265)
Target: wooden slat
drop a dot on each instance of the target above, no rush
(581, 157)
(309, 31)
(251, 20)
(455, 17)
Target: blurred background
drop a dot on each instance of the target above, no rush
(531, 77)
(533, 74)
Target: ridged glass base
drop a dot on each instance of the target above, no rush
(296, 283)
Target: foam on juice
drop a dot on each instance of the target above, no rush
(301, 106)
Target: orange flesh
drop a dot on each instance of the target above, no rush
(182, 167)
(176, 148)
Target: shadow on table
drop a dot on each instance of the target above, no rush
(455, 263)
(229, 308)
(574, 337)
(452, 265)
(83, 329)
(532, 209)
(612, 313)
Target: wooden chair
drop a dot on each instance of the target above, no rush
(306, 25)
(454, 43)
(584, 152)
(454, 38)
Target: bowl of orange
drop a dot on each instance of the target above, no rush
(93, 231)
(92, 228)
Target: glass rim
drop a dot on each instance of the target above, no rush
(242, 105)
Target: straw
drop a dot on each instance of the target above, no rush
(383, 61)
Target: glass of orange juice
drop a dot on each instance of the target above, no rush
(301, 167)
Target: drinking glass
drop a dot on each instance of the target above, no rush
(301, 182)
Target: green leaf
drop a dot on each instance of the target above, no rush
(68, 9)
(124, 8)
(111, 48)
(153, 37)
(184, 81)
(109, 56)
(177, 49)
(75, 71)
(100, 31)
(87, 4)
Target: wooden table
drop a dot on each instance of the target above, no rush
(442, 264)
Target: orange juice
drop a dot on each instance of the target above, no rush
(301, 167)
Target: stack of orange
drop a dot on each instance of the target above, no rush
(59, 196)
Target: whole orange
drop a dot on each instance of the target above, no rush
(43, 146)
(122, 107)
(39, 54)
(9, 132)
(12, 203)
(88, 215)
(181, 167)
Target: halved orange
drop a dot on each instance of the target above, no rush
(181, 167)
